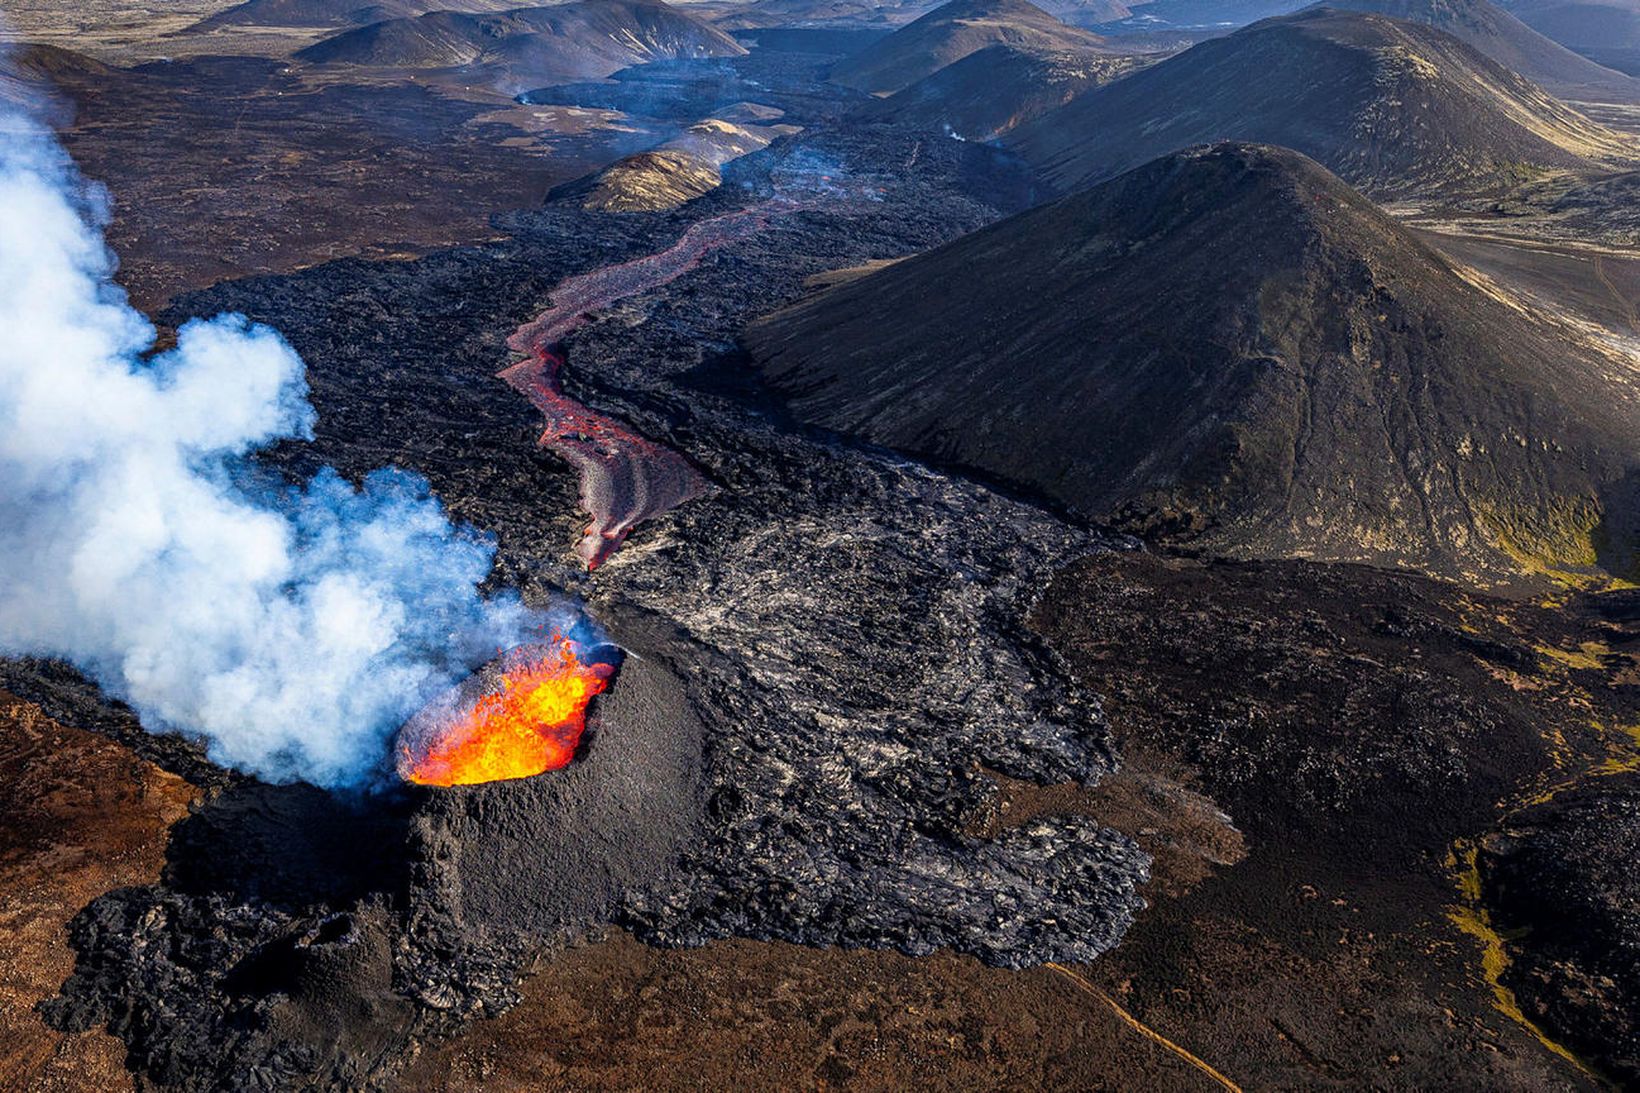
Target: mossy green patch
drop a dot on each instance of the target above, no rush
(1565, 541)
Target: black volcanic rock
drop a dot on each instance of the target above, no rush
(989, 93)
(1230, 347)
(588, 38)
(1561, 878)
(1392, 107)
(825, 656)
(1510, 42)
(951, 32)
(1606, 208)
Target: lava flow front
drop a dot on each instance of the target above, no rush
(521, 715)
(625, 478)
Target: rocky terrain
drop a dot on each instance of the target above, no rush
(1394, 108)
(1348, 942)
(968, 761)
(1558, 873)
(213, 163)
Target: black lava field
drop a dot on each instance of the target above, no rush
(827, 650)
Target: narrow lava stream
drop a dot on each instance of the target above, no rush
(625, 478)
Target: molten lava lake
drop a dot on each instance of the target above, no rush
(520, 715)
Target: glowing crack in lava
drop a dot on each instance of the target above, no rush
(522, 715)
(625, 478)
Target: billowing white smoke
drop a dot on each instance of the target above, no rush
(292, 629)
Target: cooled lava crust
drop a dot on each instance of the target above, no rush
(829, 651)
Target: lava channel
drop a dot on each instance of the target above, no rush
(520, 715)
(625, 478)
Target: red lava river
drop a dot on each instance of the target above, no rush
(625, 478)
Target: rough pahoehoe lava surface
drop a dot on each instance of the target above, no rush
(791, 751)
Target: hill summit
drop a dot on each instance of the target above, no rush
(1230, 347)
(1393, 107)
(951, 32)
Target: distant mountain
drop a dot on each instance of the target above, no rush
(1230, 347)
(951, 32)
(33, 75)
(1087, 12)
(334, 13)
(1606, 31)
(1203, 14)
(881, 14)
(49, 64)
(1396, 108)
(581, 40)
(989, 93)
(680, 170)
(1510, 42)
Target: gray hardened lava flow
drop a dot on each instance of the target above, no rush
(825, 655)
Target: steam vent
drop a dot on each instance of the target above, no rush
(955, 544)
(520, 715)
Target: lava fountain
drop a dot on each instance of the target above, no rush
(520, 715)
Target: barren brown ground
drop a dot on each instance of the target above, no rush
(81, 815)
(748, 1015)
(1263, 966)
(229, 167)
(132, 31)
(1598, 285)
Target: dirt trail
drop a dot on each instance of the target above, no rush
(1623, 301)
(1145, 1030)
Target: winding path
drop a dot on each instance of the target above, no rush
(1143, 1029)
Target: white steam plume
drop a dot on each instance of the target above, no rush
(291, 629)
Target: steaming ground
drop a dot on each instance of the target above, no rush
(827, 662)
(291, 628)
(827, 654)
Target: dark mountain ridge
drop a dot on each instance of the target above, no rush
(333, 13)
(1511, 43)
(1229, 347)
(584, 39)
(998, 89)
(951, 32)
(1395, 108)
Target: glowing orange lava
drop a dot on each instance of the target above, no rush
(528, 720)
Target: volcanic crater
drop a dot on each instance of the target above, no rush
(795, 751)
(832, 707)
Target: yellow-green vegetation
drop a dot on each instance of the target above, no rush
(1586, 656)
(1563, 542)
(1472, 917)
(1621, 744)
